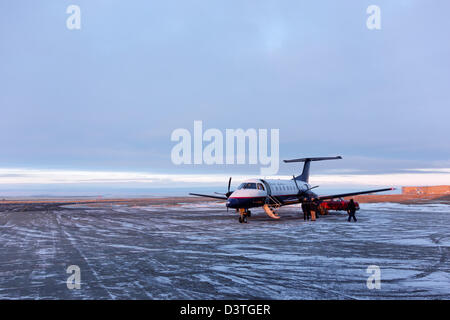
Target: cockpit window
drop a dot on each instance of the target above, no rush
(247, 185)
(260, 187)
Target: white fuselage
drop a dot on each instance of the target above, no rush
(254, 192)
(286, 187)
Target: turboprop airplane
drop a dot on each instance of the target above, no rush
(271, 194)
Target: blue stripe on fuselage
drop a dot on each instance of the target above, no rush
(251, 202)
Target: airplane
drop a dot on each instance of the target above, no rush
(271, 194)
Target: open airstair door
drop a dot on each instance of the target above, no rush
(267, 186)
(270, 201)
(305, 173)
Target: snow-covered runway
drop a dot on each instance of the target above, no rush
(199, 251)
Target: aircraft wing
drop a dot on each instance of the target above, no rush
(342, 195)
(208, 196)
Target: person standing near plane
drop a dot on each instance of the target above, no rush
(306, 208)
(351, 209)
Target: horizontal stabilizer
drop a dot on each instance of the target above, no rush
(312, 159)
(305, 173)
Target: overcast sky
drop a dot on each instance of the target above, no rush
(108, 96)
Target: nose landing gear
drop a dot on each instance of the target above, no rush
(243, 215)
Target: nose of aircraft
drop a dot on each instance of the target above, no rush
(232, 203)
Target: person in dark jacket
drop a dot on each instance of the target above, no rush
(306, 208)
(351, 210)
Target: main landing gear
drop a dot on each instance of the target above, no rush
(243, 215)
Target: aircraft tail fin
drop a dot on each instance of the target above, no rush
(305, 173)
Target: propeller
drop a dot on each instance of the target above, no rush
(301, 193)
(228, 194)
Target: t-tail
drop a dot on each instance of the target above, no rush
(305, 173)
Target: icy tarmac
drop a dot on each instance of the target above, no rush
(199, 251)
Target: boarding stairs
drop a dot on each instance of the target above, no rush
(272, 204)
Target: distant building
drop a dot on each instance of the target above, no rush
(426, 190)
